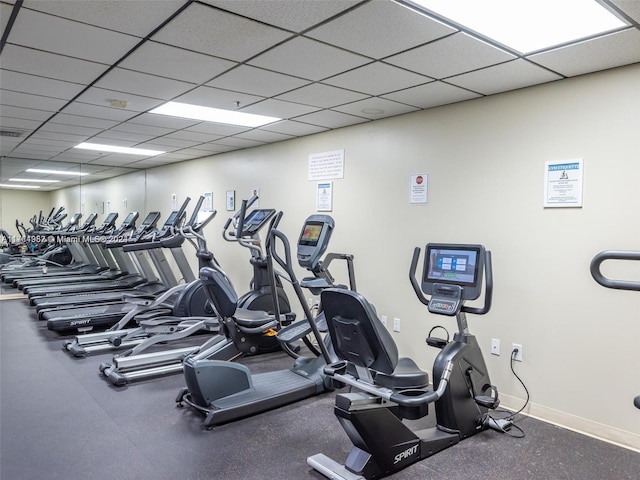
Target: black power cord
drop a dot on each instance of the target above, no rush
(506, 423)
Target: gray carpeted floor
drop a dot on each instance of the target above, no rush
(60, 420)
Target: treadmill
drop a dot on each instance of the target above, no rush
(88, 317)
(130, 279)
(80, 264)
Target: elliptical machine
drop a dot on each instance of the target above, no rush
(616, 284)
(391, 389)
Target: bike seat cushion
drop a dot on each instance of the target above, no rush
(407, 375)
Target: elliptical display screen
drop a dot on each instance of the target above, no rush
(256, 219)
(310, 234)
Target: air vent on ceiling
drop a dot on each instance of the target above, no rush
(10, 133)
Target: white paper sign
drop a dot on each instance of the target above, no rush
(208, 202)
(418, 188)
(324, 196)
(326, 165)
(563, 184)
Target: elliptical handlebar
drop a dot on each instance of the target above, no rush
(613, 255)
(286, 264)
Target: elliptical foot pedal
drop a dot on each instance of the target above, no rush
(293, 332)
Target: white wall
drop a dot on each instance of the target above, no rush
(21, 205)
(485, 159)
(121, 194)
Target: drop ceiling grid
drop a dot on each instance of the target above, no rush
(319, 66)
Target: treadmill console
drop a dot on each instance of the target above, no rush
(314, 239)
(129, 221)
(255, 220)
(452, 274)
(110, 220)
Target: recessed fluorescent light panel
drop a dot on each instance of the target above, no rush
(55, 172)
(216, 115)
(32, 180)
(18, 186)
(527, 25)
(115, 149)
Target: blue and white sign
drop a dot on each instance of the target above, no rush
(563, 184)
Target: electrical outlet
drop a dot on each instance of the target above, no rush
(396, 324)
(518, 356)
(383, 319)
(495, 346)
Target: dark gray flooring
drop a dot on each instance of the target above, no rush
(60, 420)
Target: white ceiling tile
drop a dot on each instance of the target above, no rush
(149, 163)
(629, 7)
(378, 29)
(147, 130)
(371, 107)
(307, 58)
(192, 153)
(256, 81)
(24, 113)
(97, 112)
(83, 121)
(153, 145)
(138, 18)
(292, 15)
(217, 98)
(239, 142)
(142, 84)
(59, 35)
(60, 136)
(319, 95)
(173, 142)
(279, 109)
(260, 135)
(103, 97)
(115, 161)
(30, 155)
(506, 76)
(615, 49)
(19, 124)
(26, 100)
(449, 56)
(291, 127)
(163, 121)
(5, 13)
(431, 95)
(120, 138)
(331, 119)
(49, 65)
(177, 63)
(22, 82)
(193, 137)
(377, 78)
(207, 30)
(217, 129)
(69, 129)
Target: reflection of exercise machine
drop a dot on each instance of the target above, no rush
(388, 389)
(617, 284)
(225, 391)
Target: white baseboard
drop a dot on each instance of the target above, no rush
(577, 424)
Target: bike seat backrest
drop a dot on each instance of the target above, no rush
(357, 334)
(220, 291)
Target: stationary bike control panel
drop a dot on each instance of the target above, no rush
(446, 299)
(452, 274)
